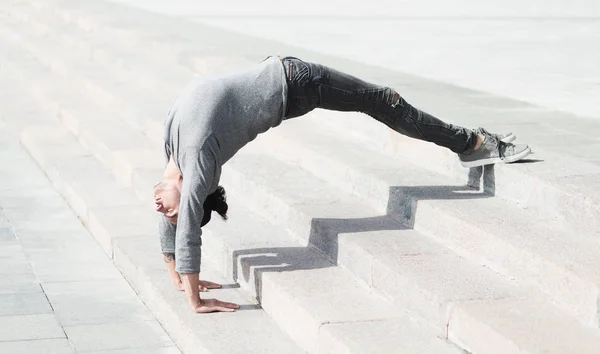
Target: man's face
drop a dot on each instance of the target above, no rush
(166, 201)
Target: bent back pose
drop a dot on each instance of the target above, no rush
(213, 118)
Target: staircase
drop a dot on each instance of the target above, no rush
(343, 237)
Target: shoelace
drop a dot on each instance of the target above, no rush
(501, 145)
(501, 148)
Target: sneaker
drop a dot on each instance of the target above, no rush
(492, 151)
(505, 138)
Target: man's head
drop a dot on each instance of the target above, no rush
(166, 200)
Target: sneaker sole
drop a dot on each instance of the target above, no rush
(497, 160)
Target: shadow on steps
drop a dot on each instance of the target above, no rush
(404, 201)
(322, 248)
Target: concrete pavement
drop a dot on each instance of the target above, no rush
(59, 293)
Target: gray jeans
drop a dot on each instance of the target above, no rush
(313, 86)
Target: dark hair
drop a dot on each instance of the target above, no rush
(216, 201)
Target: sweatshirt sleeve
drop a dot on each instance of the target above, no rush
(167, 232)
(166, 229)
(200, 172)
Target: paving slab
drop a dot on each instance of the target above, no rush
(42, 218)
(28, 327)
(39, 346)
(68, 270)
(15, 264)
(7, 235)
(49, 251)
(43, 196)
(59, 241)
(117, 336)
(94, 307)
(11, 250)
(19, 283)
(24, 304)
(161, 350)
(71, 291)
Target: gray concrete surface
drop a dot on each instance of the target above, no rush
(59, 293)
(84, 68)
(543, 52)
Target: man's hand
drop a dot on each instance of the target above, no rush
(214, 305)
(191, 284)
(176, 279)
(204, 285)
(169, 259)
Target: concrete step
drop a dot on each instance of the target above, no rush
(281, 293)
(435, 260)
(126, 228)
(554, 184)
(462, 328)
(323, 232)
(285, 275)
(542, 270)
(90, 46)
(515, 242)
(558, 186)
(163, 36)
(495, 323)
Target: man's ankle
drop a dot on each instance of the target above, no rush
(480, 141)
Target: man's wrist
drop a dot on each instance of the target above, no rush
(191, 282)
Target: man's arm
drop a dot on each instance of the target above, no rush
(169, 259)
(201, 169)
(167, 232)
(190, 285)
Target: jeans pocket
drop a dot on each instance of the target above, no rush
(297, 71)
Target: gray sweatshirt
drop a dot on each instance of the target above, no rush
(211, 119)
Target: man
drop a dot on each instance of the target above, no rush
(213, 118)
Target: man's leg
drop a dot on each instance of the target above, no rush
(313, 86)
